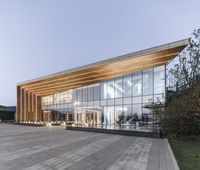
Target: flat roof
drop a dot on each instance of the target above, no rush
(105, 69)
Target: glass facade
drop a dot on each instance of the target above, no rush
(112, 104)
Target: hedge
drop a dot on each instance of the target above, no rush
(7, 115)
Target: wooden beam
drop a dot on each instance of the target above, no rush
(120, 67)
(98, 78)
(88, 82)
(96, 70)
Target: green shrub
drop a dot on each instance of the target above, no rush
(7, 115)
(179, 126)
(182, 114)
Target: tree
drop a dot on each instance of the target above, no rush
(187, 68)
(182, 112)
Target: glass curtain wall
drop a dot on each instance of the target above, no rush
(113, 104)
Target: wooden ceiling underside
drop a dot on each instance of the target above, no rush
(101, 72)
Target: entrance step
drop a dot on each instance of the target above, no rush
(118, 132)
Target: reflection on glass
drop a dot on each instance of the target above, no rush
(148, 99)
(137, 84)
(90, 93)
(128, 114)
(137, 111)
(148, 82)
(109, 116)
(127, 86)
(85, 94)
(118, 86)
(159, 79)
(110, 89)
(116, 103)
(103, 91)
(159, 98)
(96, 92)
(119, 115)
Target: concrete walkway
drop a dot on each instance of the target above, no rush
(38, 148)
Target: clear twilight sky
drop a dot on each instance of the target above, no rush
(41, 37)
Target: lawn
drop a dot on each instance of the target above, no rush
(187, 153)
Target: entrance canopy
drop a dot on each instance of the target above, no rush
(104, 70)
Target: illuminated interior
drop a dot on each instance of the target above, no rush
(111, 103)
(107, 94)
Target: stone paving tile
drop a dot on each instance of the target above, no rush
(41, 148)
(46, 152)
(136, 156)
(104, 157)
(160, 158)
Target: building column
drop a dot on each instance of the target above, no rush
(25, 106)
(38, 108)
(30, 107)
(34, 108)
(29, 115)
(18, 111)
(39, 104)
(21, 104)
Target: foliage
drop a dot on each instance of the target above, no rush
(121, 120)
(182, 111)
(7, 115)
(182, 114)
(188, 65)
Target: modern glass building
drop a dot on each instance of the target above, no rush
(111, 94)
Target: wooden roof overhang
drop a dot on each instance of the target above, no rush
(104, 70)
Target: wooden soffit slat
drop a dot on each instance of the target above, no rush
(120, 67)
(45, 92)
(98, 73)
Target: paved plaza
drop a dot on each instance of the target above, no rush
(38, 148)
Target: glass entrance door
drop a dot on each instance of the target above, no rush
(91, 118)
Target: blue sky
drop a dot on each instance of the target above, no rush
(42, 37)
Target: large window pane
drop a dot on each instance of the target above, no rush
(118, 85)
(97, 103)
(102, 115)
(109, 116)
(74, 95)
(146, 115)
(148, 82)
(137, 84)
(137, 111)
(66, 97)
(85, 94)
(119, 115)
(159, 80)
(118, 101)
(57, 98)
(103, 102)
(127, 100)
(90, 103)
(47, 100)
(127, 86)
(103, 87)
(137, 99)
(79, 97)
(111, 102)
(147, 99)
(96, 92)
(128, 114)
(110, 89)
(90, 93)
(159, 98)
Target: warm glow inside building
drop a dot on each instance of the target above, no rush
(110, 94)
